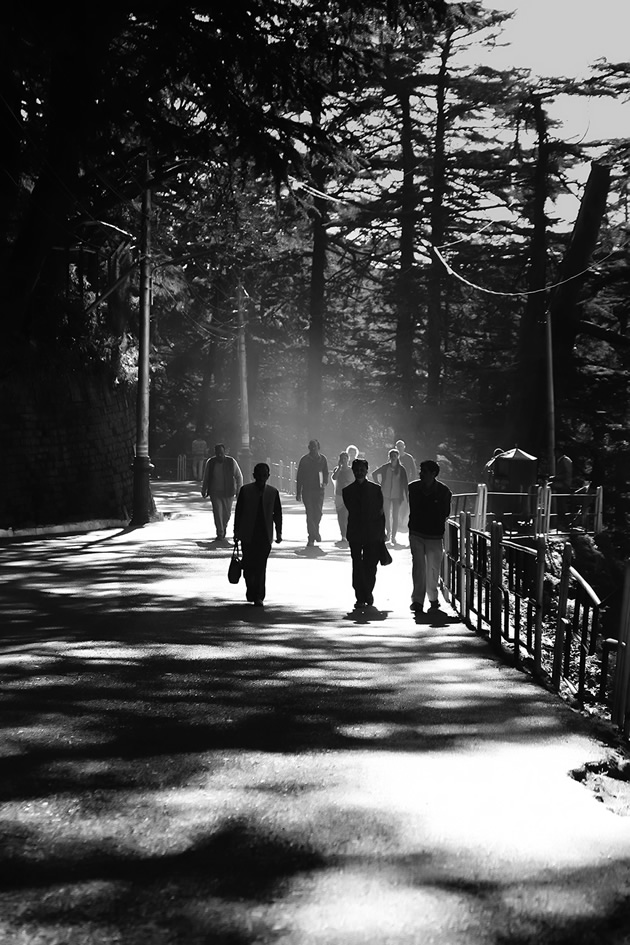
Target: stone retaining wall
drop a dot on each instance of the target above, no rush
(66, 448)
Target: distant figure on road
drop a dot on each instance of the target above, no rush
(353, 453)
(406, 460)
(199, 452)
(342, 476)
(392, 478)
(312, 479)
(258, 509)
(429, 507)
(222, 480)
(366, 531)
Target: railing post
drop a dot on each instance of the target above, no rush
(541, 545)
(470, 585)
(538, 514)
(546, 523)
(622, 668)
(463, 576)
(598, 523)
(561, 623)
(481, 507)
(496, 583)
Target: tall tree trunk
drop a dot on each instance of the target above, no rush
(528, 406)
(565, 314)
(74, 80)
(12, 137)
(438, 227)
(317, 305)
(407, 304)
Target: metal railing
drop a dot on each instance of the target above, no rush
(498, 588)
(496, 585)
(539, 511)
(283, 476)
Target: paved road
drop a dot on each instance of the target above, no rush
(179, 767)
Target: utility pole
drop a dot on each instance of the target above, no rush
(142, 500)
(244, 453)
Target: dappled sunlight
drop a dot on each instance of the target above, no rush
(174, 752)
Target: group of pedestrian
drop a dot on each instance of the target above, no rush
(368, 512)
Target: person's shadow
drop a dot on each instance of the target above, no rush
(367, 614)
(434, 618)
(310, 551)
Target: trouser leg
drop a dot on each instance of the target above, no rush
(418, 569)
(255, 556)
(358, 577)
(387, 509)
(433, 554)
(313, 504)
(221, 509)
(342, 518)
(371, 555)
(395, 514)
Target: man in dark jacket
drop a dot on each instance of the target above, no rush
(429, 508)
(311, 482)
(222, 480)
(258, 509)
(366, 531)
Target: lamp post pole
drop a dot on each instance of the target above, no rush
(142, 464)
(244, 453)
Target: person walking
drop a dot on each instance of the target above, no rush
(258, 509)
(199, 450)
(366, 531)
(312, 479)
(406, 460)
(429, 508)
(222, 480)
(342, 476)
(392, 478)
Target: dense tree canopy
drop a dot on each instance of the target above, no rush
(384, 214)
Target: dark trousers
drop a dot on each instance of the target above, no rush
(365, 557)
(255, 555)
(314, 505)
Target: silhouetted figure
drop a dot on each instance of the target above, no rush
(199, 452)
(342, 476)
(222, 480)
(392, 478)
(406, 460)
(258, 509)
(366, 531)
(429, 507)
(312, 479)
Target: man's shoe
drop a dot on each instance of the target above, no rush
(416, 607)
(434, 605)
(258, 603)
(310, 543)
(358, 605)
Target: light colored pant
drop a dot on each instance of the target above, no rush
(426, 554)
(222, 509)
(391, 507)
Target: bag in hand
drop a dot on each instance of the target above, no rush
(385, 557)
(236, 566)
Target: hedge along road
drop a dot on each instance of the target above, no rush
(180, 767)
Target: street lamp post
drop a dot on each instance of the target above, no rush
(142, 501)
(244, 453)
